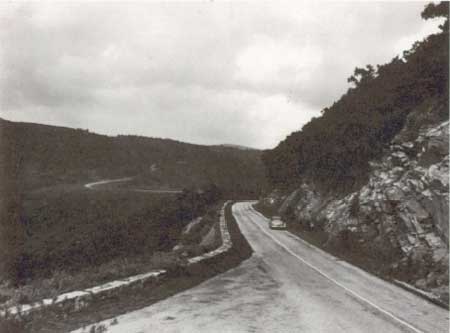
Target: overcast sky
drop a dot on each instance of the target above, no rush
(208, 72)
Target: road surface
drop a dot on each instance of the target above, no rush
(127, 179)
(286, 286)
(107, 181)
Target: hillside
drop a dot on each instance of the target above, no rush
(334, 150)
(51, 224)
(39, 156)
(368, 180)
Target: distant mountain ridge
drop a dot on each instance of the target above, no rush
(229, 145)
(36, 156)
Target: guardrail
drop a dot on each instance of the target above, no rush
(79, 299)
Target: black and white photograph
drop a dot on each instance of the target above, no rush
(220, 166)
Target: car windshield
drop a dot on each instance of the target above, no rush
(276, 218)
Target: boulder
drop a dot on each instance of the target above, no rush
(394, 193)
(433, 241)
(438, 176)
(440, 254)
(416, 209)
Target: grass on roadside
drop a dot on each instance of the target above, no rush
(126, 300)
(61, 282)
(77, 239)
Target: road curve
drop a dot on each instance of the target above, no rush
(286, 286)
(107, 181)
(127, 179)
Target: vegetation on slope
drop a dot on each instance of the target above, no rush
(77, 229)
(48, 222)
(334, 150)
(39, 155)
(126, 299)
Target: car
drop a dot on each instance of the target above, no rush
(277, 223)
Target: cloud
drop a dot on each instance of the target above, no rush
(242, 73)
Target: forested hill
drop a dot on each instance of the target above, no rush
(37, 156)
(334, 150)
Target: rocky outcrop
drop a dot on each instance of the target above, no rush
(211, 239)
(199, 236)
(400, 217)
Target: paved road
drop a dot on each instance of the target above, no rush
(127, 179)
(107, 181)
(287, 286)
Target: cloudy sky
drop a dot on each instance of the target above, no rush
(206, 72)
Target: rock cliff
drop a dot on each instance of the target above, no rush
(400, 217)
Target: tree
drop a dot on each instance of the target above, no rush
(362, 75)
(434, 11)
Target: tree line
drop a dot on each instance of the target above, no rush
(334, 150)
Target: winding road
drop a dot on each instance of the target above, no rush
(107, 181)
(287, 285)
(127, 179)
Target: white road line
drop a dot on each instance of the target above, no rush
(355, 294)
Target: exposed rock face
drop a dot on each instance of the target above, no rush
(209, 241)
(401, 215)
(195, 222)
